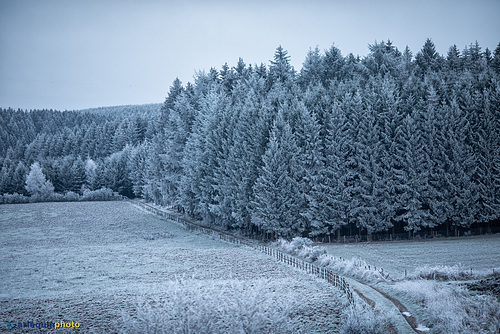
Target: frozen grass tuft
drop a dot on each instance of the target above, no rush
(195, 307)
(362, 319)
(452, 309)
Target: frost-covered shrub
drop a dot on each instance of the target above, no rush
(444, 273)
(13, 198)
(301, 247)
(71, 196)
(312, 253)
(358, 268)
(452, 309)
(197, 307)
(355, 267)
(294, 246)
(103, 194)
(54, 197)
(298, 243)
(362, 319)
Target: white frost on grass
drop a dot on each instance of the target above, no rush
(88, 261)
(446, 273)
(362, 318)
(192, 306)
(452, 309)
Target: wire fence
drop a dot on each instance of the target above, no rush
(321, 272)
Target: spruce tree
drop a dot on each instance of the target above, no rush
(275, 208)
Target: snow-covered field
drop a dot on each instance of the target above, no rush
(481, 254)
(111, 267)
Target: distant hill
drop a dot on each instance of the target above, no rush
(127, 110)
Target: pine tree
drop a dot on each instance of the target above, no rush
(175, 91)
(217, 142)
(275, 208)
(458, 188)
(427, 59)
(281, 70)
(78, 175)
(495, 62)
(312, 69)
(333, 65)
(310, 171)
(411, 177)
(236, 177)
(453, 61)
(485, 143)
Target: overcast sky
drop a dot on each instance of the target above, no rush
(64, 54)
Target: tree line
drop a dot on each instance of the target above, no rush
(387, 142)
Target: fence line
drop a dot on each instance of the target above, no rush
(321, 272)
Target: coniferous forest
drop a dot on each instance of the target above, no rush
(390, 143)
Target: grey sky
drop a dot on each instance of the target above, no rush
(65, 54)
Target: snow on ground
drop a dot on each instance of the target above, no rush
(478, 253)
(94, 262)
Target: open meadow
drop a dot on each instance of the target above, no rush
(480, 254)
(113, 268)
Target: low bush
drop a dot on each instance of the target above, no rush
(444, 273)
(301, 247)
(103, 194)
(13, 198)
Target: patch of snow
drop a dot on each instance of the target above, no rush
(423, 328)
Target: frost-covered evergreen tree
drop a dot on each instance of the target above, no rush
(216, 146)
(137, 164)
(458, 190)
(370, 213)
(309, 175)
(280, 69)
(251, 122)
(312, 68)
(412, 175)
(344, 163)
(276, 204)
(484, 138)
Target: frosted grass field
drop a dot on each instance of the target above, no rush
(95, 262)
(443, 305)
(479, 253)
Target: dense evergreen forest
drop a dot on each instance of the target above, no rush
(388, 143)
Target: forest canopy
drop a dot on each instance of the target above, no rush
(389, 142)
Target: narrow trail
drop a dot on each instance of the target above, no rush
(403, 321)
